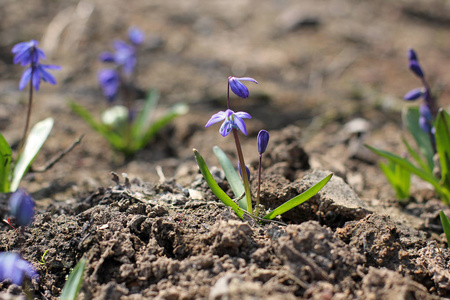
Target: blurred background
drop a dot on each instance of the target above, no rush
(320, 64)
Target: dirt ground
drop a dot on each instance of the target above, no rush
(331, 75)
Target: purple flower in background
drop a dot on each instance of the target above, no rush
(414, 94)
(124, 56)
(37, 73)
(238, 87)
(412, 55)
(21, 206)
(109, 80)
(14, 268)
(27, 53)
(416, 68)
(262, 140)
(136, 36)
(246, 169)
(231, 120)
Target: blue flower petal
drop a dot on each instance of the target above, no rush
(221, 115)
(240, 124)
(25, 78)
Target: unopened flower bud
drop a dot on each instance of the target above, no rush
(415, 68)
(246, 169)
(21, 206)
(262, 141)
(414, 94)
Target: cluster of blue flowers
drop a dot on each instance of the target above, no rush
(28, 53)
(428, 109)
(124, 60)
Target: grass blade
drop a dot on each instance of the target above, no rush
(5, 165)
(232, 176)
(297, 200)
(144, 119)
(36, 138)
(442, 136)
(215, 187)
(446, 226)
(73, 284)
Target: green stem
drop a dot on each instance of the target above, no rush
(259, 186)
(30, 104)
(248, 196)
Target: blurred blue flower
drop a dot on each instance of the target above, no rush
(27, 53)
(109, 80)
(124, 56)
(416, 68)
(135, 35)
(231, 120)
(414, 94)
(412, 55)
(246, 169)
(238, 87)
(36, 73)
(262, 140)
(14, 268)
(21, 206)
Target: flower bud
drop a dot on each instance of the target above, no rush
(412, 55)
(238, 87)
(262, 141)
(413, 94)
(415, 68)
(424, 124)
(246, 169)
(425, 112)
(136, 36)
(21, 206)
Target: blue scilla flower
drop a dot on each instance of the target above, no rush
(414, 94)
(36, 73)
(27, 53)
(246, 170)
(136, 36)
(262, 140)
(21, 206)
(238, 87)
(109, 80)
(231, 120)
(124, 56)
(14, 268)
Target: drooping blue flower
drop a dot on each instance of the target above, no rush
(14, 268)
(231, 120)
(238, 87)
(124, 56)
(414, 94)
(27, 53)
(21, 206)
(416, 68)
(136, 36)
(262, 140)
(246, 169)
(37, 73)
(109, 80)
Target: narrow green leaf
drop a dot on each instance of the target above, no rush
(73, 284)
(424, 165)
(297, 200)
(446, 226)
(143, 121)
(442, 136)
(36, 138)
(114, 139)
(175, 111)
(398, 177)
(232, 176)
(5, 165)
(214, 186)
(411, 119)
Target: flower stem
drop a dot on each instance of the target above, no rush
(248, 196)
(259, 186)
(30, 104)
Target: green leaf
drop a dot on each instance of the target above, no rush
(143, 121)
(411, 119)
(5, 165)
(297, 200)
(403, 162)
(36, 138)
(424, 165)
(446, 226)
(73, 284)
(114, 139)
(214, 186)
(442, 136)
(398, 177)
(232, 176)
(175, 111)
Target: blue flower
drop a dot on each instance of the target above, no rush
(124, 56)
(136, 36)
(414, 94)
(238, 87)
(36, 73)
(231, 120)
(262, 140)
(416, 68)
(27, 53)
(21, 206)
(14, 268)
(412, 55)
(109, 80)
(246, 169)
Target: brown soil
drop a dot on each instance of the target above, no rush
(331, 75)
